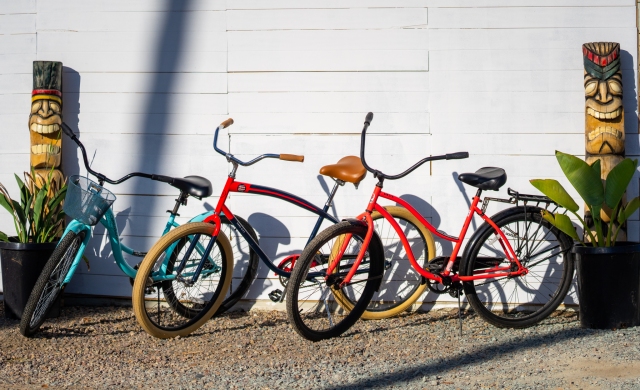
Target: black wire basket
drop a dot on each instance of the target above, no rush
(86, 200)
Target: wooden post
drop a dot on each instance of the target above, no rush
(45, 120)
(604, 114)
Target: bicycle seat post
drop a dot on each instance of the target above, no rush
(182, 200)
(333, 194)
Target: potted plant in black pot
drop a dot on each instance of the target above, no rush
(38, 218)
(608, 269)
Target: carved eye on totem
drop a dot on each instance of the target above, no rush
(590, 87)
(615, 86)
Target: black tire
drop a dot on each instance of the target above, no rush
(48, 286)
(401, 285)
(522, 301)
(177, 307)
(245, 262)
(312, 308)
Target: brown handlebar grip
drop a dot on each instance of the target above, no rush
(226, 123)
(291, 157)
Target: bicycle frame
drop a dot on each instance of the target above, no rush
(117, 247)
(235, 186)
(446, 276)
(494, 272)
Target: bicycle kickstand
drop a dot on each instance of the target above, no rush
(460, 314)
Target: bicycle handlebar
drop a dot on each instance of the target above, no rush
(102, 178)
(377, 173)
(230, 157)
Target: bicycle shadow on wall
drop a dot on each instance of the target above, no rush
(272, 234)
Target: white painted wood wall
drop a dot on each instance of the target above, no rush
(146, 82)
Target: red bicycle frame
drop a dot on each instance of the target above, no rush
(486, 273)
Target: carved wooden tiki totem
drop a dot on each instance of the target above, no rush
(604, 116)
(45, 120)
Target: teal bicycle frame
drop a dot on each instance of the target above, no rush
(108, 220)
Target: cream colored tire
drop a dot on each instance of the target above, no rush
(222, 257)
(427, 253)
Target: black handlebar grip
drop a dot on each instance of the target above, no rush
(458, 155)
(166, 179)
(369, 118)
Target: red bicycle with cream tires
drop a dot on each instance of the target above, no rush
(515, 270)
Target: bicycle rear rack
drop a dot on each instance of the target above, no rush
(515, 197)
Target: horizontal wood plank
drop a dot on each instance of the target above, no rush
(295, 4)
(128, 62)
(509, 60)
(135, 103)
(127, 42)
(345, 60)
(328, 81)
(130, 6)
(528, 38)
(176, 82)
(327, 40)
(23, 23)
(328, 102)
(152, 23)
(532, 17)
(326, 19)
(18, 43)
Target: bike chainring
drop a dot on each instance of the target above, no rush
(435, 267)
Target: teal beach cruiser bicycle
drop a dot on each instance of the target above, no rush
(190, 294)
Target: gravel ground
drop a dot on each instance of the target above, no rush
(104, 347)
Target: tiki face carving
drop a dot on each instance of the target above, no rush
(44, 125)
(603, 98)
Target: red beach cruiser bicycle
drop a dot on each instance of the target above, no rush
(515, 270)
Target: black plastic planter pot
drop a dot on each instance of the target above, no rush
(609, 285)
(21, 267)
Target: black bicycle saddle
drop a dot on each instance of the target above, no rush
(487, 178)
(196, 186)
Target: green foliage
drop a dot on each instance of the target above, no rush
(586, 180)
(38, 216)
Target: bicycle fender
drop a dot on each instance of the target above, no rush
(376, 269)
(201, 217)
(356, 222)
(77, 227)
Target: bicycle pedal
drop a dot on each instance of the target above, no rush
(275, 295)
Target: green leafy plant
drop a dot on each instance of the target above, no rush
(38, 216)
(596, 193)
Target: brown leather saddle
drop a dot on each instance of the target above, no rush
(349, 169)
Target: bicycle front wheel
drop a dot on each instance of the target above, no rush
(49, 284)
(401, 285)
(521, 301)
(312, 306)
(245, 262)
(167, 301)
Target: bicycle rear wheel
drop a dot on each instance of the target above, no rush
(49, 284)
(521, 301)
(312, 306)
(166, 301)
(401, 285)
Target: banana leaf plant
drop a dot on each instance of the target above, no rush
(596, 193)
(38, 215)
